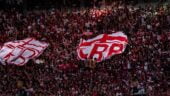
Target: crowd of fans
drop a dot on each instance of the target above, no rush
(139, 71)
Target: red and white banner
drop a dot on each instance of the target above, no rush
(21, 51)
(103, 46)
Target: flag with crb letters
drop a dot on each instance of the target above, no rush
(102, 47)
(21, 51)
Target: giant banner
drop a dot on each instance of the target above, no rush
(21, 51)
(102, 47)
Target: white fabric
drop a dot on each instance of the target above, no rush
(21, 51)
(102, 46)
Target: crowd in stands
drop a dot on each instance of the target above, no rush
(139, 71)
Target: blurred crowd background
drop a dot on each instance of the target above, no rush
(142, 70)
(32, 4)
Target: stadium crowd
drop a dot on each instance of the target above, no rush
(139, 71)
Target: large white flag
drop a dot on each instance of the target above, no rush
(21, 51)
(103, 46)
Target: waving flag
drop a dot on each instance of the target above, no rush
(102, 47)
(21, 51)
